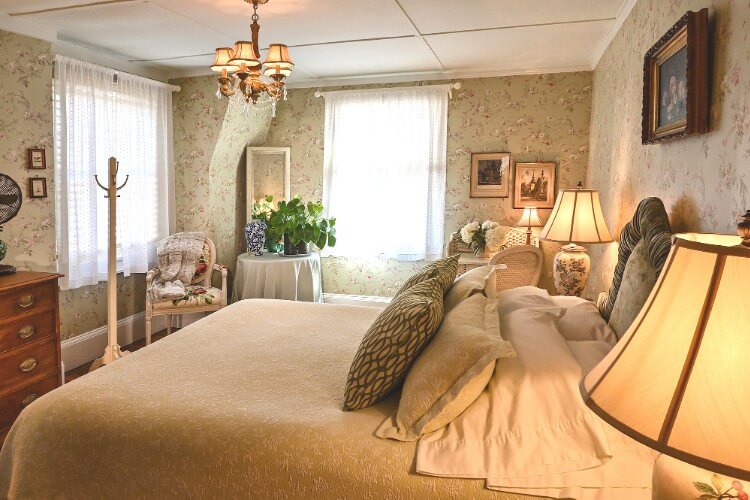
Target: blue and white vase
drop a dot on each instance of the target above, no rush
(255, 236)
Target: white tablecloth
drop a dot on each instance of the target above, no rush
(272, 276)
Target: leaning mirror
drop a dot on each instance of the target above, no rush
(267, 173)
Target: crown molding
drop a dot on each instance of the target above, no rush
(404, 77)
(622, 15)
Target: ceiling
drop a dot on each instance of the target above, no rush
(333, 41)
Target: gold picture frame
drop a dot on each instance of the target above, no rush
(534, 185)
(490, 175)
(675, 81)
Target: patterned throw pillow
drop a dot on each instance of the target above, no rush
(444, 269)
(392, 343)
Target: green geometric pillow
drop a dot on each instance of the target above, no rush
(444, 269)
(392, 343)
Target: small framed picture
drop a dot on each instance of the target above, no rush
(676, 82)
(490, 175)
(37, 158)
(37, 187)
(534, 185)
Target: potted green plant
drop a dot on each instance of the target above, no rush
(300, 224)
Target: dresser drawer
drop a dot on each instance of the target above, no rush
(27, 328)
(12, 404)
(19, 301)
(23, 364)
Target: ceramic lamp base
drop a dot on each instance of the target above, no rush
(673, 479)
(572, 266)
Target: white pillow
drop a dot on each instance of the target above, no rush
(582, 321)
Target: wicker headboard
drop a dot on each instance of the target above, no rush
(650, 224)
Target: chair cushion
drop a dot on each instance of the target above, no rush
(195, 296)
(201, 269)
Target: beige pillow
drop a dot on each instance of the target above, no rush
(479, 280)
(393, 342)
(451, 372)
(444, 270)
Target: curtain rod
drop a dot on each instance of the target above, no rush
(453, 86)
(174, 88)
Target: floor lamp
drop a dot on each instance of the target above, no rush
(112, 352)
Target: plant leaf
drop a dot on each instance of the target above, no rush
(717, 483)
(705, 488)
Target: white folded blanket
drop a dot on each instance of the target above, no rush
(530, 431)
(178, 256)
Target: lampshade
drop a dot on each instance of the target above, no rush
(221, 62)
(244, 53)
(577, 218)
(678, 381)
(530, 218)
(278, 61)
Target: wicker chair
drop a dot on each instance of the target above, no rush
(524, 266)
(514, 237)
(200, 296)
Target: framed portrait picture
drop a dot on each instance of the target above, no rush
(490, 175)
(534, 185)
(675, 81)
(37, 187)
(37, 158)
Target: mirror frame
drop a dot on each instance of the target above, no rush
(252, 152)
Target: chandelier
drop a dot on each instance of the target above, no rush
(240, 68)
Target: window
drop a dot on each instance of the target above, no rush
(98, 114)
(384, 171)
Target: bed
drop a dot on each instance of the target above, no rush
(244, 403)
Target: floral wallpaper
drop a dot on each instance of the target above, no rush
(210, 136)
(703, 180)
(26, 122)
(540, 117)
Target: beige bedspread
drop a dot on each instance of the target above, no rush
(244, 403)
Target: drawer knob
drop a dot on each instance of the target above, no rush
(26, 300)
(28, 400)
(26, 332)
(28, 365)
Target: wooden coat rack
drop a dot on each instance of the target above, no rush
(112, 352)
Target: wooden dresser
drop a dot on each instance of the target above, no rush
(29, 342)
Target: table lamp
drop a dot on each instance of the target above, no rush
(529, 219)
(576, 218)
(678, 380)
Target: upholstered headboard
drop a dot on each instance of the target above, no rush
(644, 245)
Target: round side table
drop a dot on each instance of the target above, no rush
(273, 276)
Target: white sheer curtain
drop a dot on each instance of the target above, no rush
(101, 113)
(384, 171)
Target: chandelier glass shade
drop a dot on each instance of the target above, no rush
(240, 69)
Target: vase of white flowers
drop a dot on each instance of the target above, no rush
(484, 238)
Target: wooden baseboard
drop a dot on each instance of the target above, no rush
(88, 346)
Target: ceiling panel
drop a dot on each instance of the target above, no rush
(18, 6)
(137, 30)
(297, 22)
(432, 17)
(365, 58)
(520, 49)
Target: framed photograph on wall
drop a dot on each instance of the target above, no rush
(490, 175)
(37, 158)
(37, 187)
(534, 185)
(675, 81)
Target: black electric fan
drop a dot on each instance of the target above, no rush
(10, 204)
